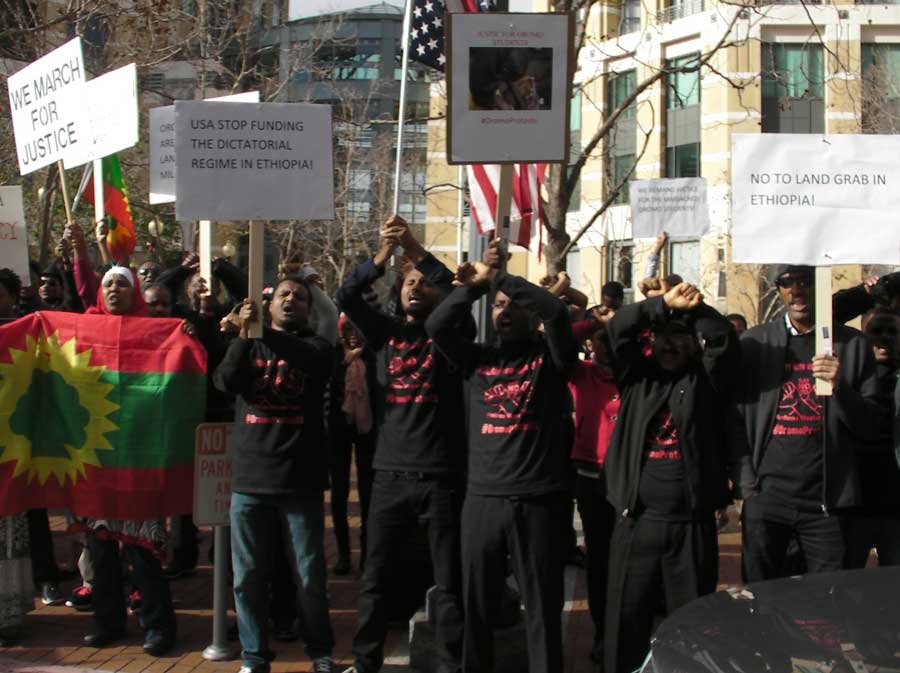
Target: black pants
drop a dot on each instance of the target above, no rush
(598, 519)
(649, 560)
(767, 531)
(399, 502)
(863, 533)
(185, 549)
(43, 558)
(345, 441)
(531, 532)
(108, 595)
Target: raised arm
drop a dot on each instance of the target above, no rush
(326, 314)
(448, 325)
(551, 312)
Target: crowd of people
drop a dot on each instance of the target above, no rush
(652, 417)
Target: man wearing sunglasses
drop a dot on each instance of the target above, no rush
(796, 451)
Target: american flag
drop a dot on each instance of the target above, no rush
(426, 38)
(426, 45)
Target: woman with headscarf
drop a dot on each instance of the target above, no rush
(142, 541)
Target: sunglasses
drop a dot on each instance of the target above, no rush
(146, 272)
(789, 281)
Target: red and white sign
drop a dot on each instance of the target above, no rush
(212, 474)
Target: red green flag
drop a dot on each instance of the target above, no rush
(120, 239)
(98, 414)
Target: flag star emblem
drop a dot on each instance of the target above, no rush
(418, 12)
(421, 49)
(414, 34)
(424, 30)
(429, 6)
(442, 59)
(432, 43)
(437, 23)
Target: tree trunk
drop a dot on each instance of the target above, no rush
(555, 215)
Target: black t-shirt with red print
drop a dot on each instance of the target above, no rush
(279, 429)
(419, 407)
(791, 469)
(661, 490)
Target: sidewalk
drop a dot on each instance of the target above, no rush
(55, 633)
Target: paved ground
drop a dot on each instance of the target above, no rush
(55, 633)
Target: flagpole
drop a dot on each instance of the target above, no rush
(460, 209)
(407, 26)
(99, 208)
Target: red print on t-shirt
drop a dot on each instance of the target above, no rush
(410, 371)
(799, 411)
(662, 438)
(509, 398)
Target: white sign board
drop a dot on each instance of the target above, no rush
(109, 104)
(246, 161)
(212, 474)
(47, 123)
(814, 199)
(162, 146)
(509, 87)
(13, 236)
(676, 206)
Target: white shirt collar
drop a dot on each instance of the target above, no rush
(793, 331)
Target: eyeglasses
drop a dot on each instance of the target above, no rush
(802, 282)
(146, 272)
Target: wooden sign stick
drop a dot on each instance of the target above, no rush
(255, 280)
(824, 327)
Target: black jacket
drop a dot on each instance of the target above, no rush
(697, 400)
(853, 414)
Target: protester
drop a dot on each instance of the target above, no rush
(737, 321)
(351, 432)
(655, 256)
(120, 294)
(666, 465)
(419, 451)
(612, 295)
(597, 402)
(560, 286)
(280, 469)
(515, 496)
(875, 524)
(796, 451)
(149, 272)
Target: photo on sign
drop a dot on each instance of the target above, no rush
(509, 87)
(510, 78)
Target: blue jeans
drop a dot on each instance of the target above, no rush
(254, 541)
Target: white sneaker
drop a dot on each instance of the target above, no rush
(323, 665)
(352, 669)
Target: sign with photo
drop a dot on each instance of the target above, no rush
(509, 87)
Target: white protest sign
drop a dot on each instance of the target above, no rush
(246, 161)
(162, 146)
(814, 199)
(13, 236)
(212, 474)
(676, 206)
(109, 104)
(47, 124)
(509, 84)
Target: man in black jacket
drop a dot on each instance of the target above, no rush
(666, 465)
(280, 469)
(420, 446)
(518, 403)
(795, 451)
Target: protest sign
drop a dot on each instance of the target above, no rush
(13, 235)
(162, 146)
(109, 105)
(509, 87)
(212, 474)
(47, 123)
(253, 161)
(814, 199)
(676, 206)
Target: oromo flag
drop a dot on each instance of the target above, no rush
(98, 413)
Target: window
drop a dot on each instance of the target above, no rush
(631, 17)
(793, 87)
(575, 148)
(622, 147)
(621, 257)
(880, 99)
(682, 88)
(684, 259)
(682, 119)
(683, 161)
(360, 60)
